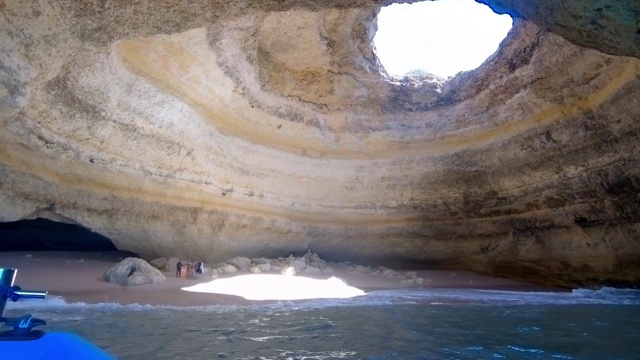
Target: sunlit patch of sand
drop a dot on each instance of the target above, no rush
(278, 287)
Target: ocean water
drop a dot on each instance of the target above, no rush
(408, 324)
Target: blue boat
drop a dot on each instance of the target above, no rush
(23, 341)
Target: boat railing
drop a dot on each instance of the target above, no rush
(8, 291)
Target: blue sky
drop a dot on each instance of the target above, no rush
(441, 37)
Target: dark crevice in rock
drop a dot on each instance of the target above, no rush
(46, 235)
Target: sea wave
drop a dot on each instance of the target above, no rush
(436, 297)
(58, 302)
(605, 296)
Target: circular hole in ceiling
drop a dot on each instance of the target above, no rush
(441, 37)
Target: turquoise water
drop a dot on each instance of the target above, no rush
(425, 324)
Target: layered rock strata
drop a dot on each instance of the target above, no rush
(264, 128)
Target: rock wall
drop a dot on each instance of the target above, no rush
(609, 26)
(261, 128)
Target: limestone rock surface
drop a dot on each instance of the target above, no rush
(609, 26)
(134, 271)
(217, 129)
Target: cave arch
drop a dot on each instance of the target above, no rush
(47, 235)
(287, 135)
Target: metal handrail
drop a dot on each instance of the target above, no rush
(10, 292)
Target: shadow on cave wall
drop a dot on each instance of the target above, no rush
(47, 235)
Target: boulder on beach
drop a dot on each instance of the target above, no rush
(159, 263)
(171, 264)
(241, 263)
(134, 271)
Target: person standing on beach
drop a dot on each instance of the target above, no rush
(178, 268)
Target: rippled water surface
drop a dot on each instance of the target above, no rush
(427, 324)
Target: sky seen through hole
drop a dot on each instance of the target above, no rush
(440, 37)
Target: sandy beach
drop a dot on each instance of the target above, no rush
(78, 277)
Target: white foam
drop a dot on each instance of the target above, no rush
(439, 297)
(58, 302)
(607, 296)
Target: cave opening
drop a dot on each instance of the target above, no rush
(46, 235)
(441, 38)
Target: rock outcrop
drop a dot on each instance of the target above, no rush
(134, 271)
(259, 128)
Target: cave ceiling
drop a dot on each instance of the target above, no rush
(212, 129)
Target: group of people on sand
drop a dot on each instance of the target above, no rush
(193, 270)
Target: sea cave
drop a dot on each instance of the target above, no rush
(217, 129)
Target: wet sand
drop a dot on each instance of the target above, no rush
(77, 277)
